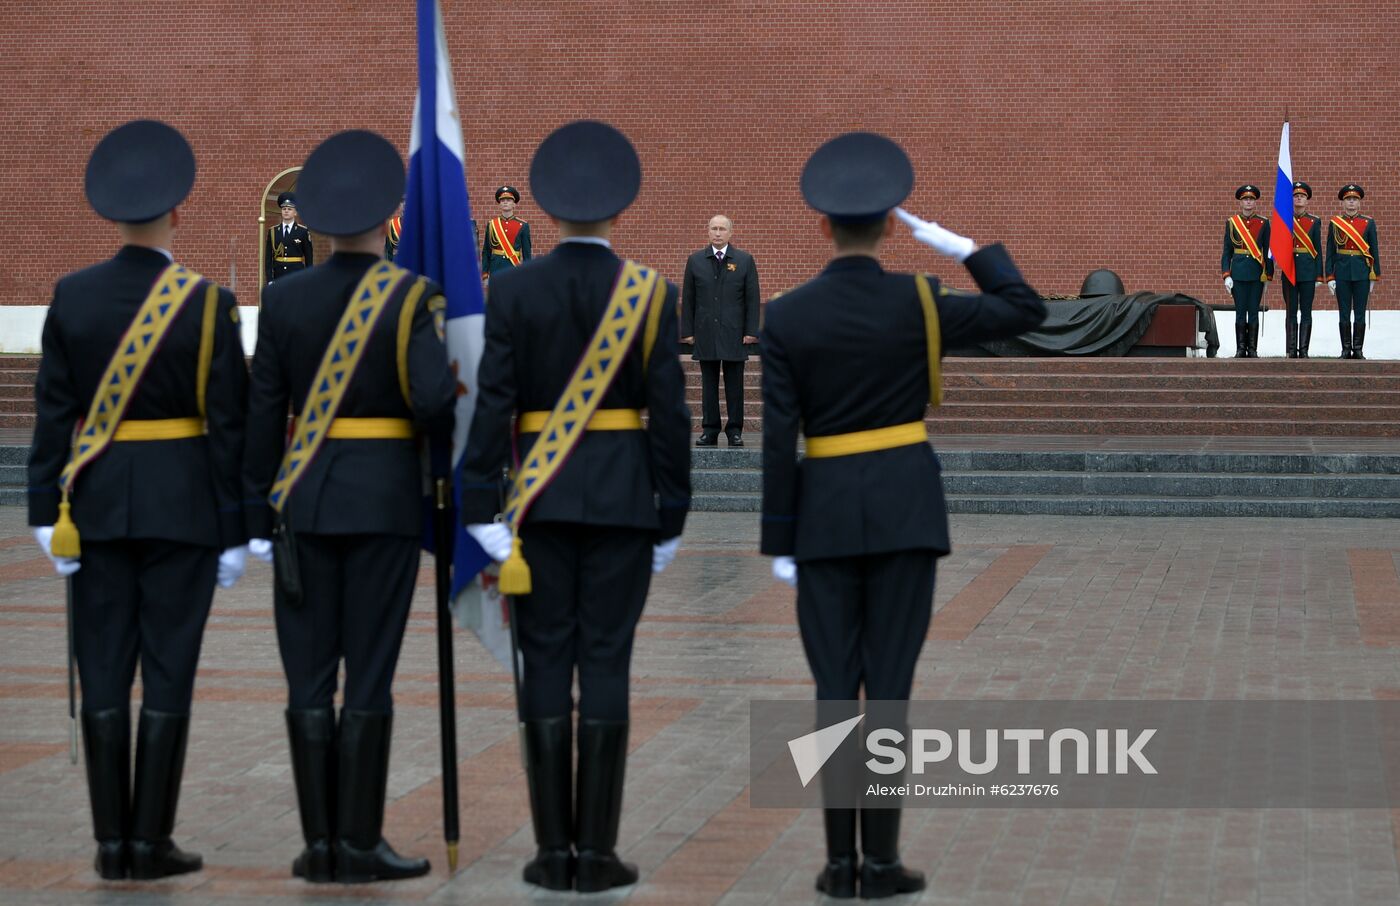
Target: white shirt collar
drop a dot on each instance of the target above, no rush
(588, 240)
(723, 251)
(165, 252)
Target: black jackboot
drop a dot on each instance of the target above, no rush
(107, 749)
(1304, 338)
(549, 753)
(1241, 341)
(602, 764)
(160, 763)
(838, 879)
(1357, 339)
(1345, 328)
(362, 854)
(1252, 332)
(881, 873)
(1290, 337)
(312, 737)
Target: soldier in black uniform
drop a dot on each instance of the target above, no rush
(859, 524)
(1307, 269)
(156, 506)
(353, 518)
(288, 246)
(612, 515)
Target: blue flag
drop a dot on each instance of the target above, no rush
(438, 242)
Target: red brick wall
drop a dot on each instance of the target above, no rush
(1083, 134)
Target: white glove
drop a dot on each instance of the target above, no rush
(260, 548)
(663, 553)
(494, 538)
(1332, 287)
(944, 242)
(64, 566)
(785, 570)
(231, 563)
(1229, 284)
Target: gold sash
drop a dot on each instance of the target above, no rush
(1247, 238)
(1361, 243)
(498, 231)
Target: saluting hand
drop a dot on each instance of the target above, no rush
(945, 242)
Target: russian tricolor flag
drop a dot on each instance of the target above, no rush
(1281, 228)
(439, 243)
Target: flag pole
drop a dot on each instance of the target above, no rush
(447, 705)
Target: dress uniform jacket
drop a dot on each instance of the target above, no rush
(538, 323)
(352, 486)
(1343, 266)
(847, 352)
(1307, 267)
(1236, 262)
(493, 260)
(182, 490)
(720, 304)
(296, 244)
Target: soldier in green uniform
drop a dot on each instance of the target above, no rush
(1353, 264)
(507, 241)
(1246, 267)
(1307, 269)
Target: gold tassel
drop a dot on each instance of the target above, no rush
(515, 572)
(65, 533)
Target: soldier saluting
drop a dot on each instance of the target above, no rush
(352, 349)
(851, 360)
(1353, 263)
(142, 357)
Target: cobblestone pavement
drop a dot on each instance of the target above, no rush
(1029, 607)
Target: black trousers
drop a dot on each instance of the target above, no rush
(356, 592)
(1299, 300)
(1248, 294)
(590, 583)
(1351, 297)
(146, 601)
(863, 621)
(733, 397)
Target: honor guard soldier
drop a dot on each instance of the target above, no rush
(288, 246)
(507, 241)
(577, 344)
(394, 231)
(1353, 263)
(354, 349)
(851, 360)
(1307, 268)
(138, 505)
(1246, 268)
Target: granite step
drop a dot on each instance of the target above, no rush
(953, 383)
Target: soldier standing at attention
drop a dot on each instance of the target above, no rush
(1353, 263)
(353, 348)
(851, 360)
(395, 232)
(1246, 269)
(152, 481)
(577, 344)
(507, 241)
(1307, 244)
(288, 246)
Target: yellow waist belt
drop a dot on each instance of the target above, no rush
(370, 429)
(159, 429)
(1350, 252)
(602, 420)
(290, 260)
(903, 435)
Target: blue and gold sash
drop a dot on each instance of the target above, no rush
(120, 379)
(638, 291)
(338, 365)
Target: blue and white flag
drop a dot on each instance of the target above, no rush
(438, 242)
